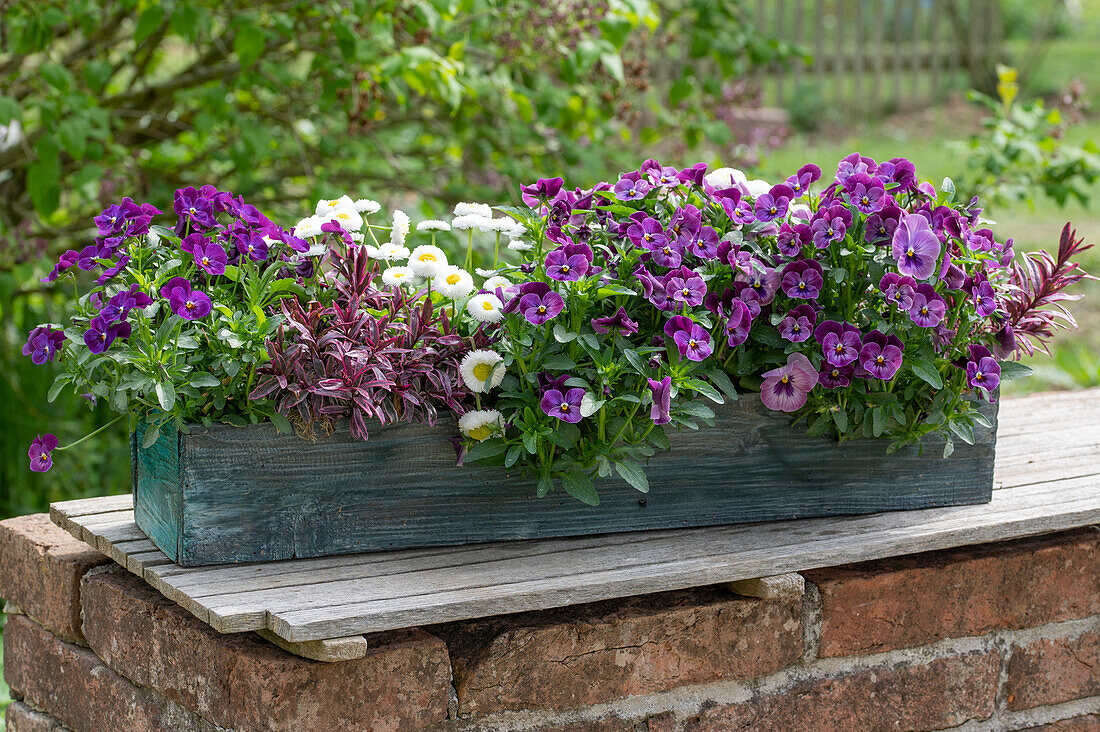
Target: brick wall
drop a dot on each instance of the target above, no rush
(996, 637)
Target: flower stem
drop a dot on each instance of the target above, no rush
(93, 434)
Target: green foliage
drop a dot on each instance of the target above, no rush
(1023, 155)
(446, 99)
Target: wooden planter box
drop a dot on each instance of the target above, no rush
(230, 494)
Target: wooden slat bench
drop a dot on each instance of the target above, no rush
(1047, 479)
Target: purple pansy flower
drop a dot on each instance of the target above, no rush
(251, 244)
(685, 223)
(785, 389)
(193, 208)
(566, 407)
(853, 165)
(840, 342)
(800, 181)
(835, 377)
(543, 189)
(67, 259)
(880, 226)
(773, 204)
(984, 301)
(738, 323)
(647, 233)
(102, 333)
(982, 370)
(111, 272)
(867, 193)
(662, 400)
(42, 344)
(210, 257)
(803, 279)
(565, 268)
(827, 229)
(628, 189)
(915, 247)
(881, 355)
(619, 323)
(798, 325)
(899, 171)
(898, 289)
(764, 281)
(539, 305)
(928, 308)
(40, 452)
(685, 285)
(705, 244)
(185, 302)
(693, 343)
(665, 177)
(669, 253)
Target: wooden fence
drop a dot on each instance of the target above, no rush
(879, 54)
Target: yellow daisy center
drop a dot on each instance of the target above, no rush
(483, 371)
(480, 433)
(486, 305)
(454, 279)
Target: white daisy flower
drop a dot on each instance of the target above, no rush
(514, 229)
(758, 187)
(485, 308)
(389, 252)
(480, 424)
(453, 282)
(400, 228)
(498, 282)
(309, 226)
(356, 237)
(329, 205)
(433, 225)
(483, 210)
(348, 218)
(482, 370)
(395, 276)
(519, 245)
(366, 206)
(427, 260)
(725, 178)
(480, 272)
(472, 221)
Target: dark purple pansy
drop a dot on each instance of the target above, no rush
(738, 323)
(562, 267)
(928, 308)
(840, 342)
(764, 281)
(40, 452)
(984, 301)
(111, 272)
(827, 229)
(694, 343)
(210, 257)
(664, 177)
(662, 400)
(685, 223)
(880, 226)
(67, 259)
(543, 189)
(676, 324)
(881, 355)
(647, 233)
(537, 308)
(619, 323)
(654, 289)
(185, 302)
(798, 324)
(631, 190)
(898, 289)
(42, 344)
(853, 165)
(194, 209)
(102, 333)
(251, 244)
(899, 171)
(785, 389)
(867, 193)
(803, 279)
(915, 247)
(685, 285)
(835, 377)
(982, 370)
(566, 407)
(773, 204)
(705, 244)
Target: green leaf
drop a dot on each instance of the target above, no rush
(204, 379)
(679, 91)
(721, 379)
(640, 364)
(633, 474)
(55, 389)
(546, 484)
(152, 434)
(9, 110)
(56, 76)
(73, 134)
(148, 22)
(878, 420)
(531, 442)
(166, 395)
(487, 449)
(705, 389)
(281, 423)
(928, 373)
(248, 44)
(513, 455)
(1012, 370)
(580, 486)
(963, 429)
(840, 419)
(559, 362)
(561, 335)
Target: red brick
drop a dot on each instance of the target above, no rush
(74, 686)
(21, 718)
(912, 601)
(611, 724)
(40, 569)
(595, 653)
(242, 682)
(1051, 671)
(1087, 723)
(663, 722)
(920, 696)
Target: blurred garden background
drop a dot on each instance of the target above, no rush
(424, 103)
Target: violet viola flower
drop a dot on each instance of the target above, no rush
(667, 254)
(619, 323)
(87, 259)
(899, 171)
(840, 342)
(685, 223)
(880, 226)
(928, 308)
(800, 181)
(566, 407)
(67, 259)
(836, 377)
(662, 400)
(899, 289)
(791, 238)
(40, 452)
(984, 301)
(705, 244)
(881, 355)
(798, 325)
(915, 247)
(853, 165)
(544, 189)
(252, 245)
(674, 325)
(693, 344)
(210, 257)
(738, 323)
(803, 279)
(773, 204)
(785, 389)
(631, 190)
(127, 300)
(647, 233)
(111, 272)
(102, 333)
(827, 229)
(187, 303)
(564, 268)
(685, 285)
(867, 193)
(665, 177)
(764, 281)
(654, 289)
(192, 208)
(539, 305)
(42, 344)
(982, 370)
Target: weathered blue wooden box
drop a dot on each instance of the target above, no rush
(242, 494)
